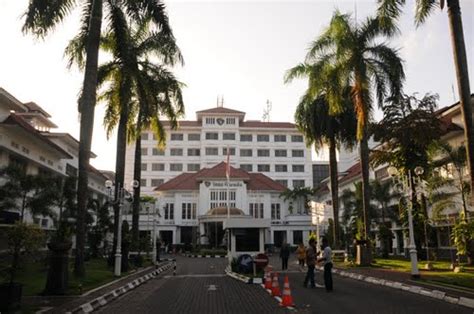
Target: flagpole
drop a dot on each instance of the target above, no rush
(228, 177)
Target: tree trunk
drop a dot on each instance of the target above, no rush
(334, 190)
(462, 75)
(364, 161)
(86, 107)
(137, 172)
(120, 167)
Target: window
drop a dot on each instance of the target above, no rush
(256, 210)
(298, 183)
(212, 151)
(158, 152)
(245, 153)
(247, 167)
(212, 136)
(230, 121)
(263, 138)
(381, 173)
(194, 167)
(283, 182)
(143, 167)
(297, 153)
(219, 198)
(297, 138)
(194, 152)
(157, 182)
(276, 212)
(177, 136)
(157, 167)
(71, 170)
(280, 138)
(143, 182)
(246, 137)
(194, 137)
(281, 168)
(154, 137)
(210, 120)
(176, 152)
(144, 151)
(298, 168)
(263, 168)
(231, 151)
(188, 211)
(176, 167)
(263, 153)
(280, 153)
(44, 223)
(228, 136)
(297, 237)
(144, 136)
(169, 211)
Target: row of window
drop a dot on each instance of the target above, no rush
(214, 151)
(158, 182)
(229, 136)
(188, 210)
(196, 167)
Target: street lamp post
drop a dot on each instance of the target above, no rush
(405, 182)
(155, 253)
(121, 195)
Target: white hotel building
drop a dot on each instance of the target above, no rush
(188, 177)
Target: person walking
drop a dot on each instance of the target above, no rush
(284, 255)
(301, 255)
(310, 261)
(327, 259)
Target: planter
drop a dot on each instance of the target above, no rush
(10, 297)
(58, 272)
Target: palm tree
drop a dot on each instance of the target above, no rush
(354, 56)
(298, 195)
(137, 84)
(320, 128)
(389, 11)
(41, 17)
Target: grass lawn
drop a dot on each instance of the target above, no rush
(441, 274)
(33, 277)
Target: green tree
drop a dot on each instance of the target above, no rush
(41, 17)
(300, 196)
(320, 128)
(353, 55)
(389, 11)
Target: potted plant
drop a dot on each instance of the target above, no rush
(22, 239)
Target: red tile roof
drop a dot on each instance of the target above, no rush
(354, 171)
(220, 110)
(13, 119)
(190, 181)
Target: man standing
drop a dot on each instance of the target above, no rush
(310, 261)
(327, 259)
(284, 255)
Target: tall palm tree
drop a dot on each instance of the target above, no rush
(41, 17)
(355, 56)
(137, 84)
(321, 129)
(390, 10)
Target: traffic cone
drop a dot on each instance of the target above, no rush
(276, 286)
(268, 280)
(287, 299)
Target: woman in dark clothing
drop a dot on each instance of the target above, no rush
(284, 255)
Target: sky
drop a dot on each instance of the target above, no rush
(236, 49)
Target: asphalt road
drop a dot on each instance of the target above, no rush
(201, 287)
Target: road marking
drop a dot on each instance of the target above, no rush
(212, 288)
(197, 276)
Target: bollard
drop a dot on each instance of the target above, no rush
(174, 268)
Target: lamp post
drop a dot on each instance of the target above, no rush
(122, 194)
(317, 209)
(406, 185)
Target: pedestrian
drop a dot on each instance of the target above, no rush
(327, 259)
(284, 255)
(301, 255)
(158, 249)
(310, 261)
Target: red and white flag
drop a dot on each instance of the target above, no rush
(227, 166)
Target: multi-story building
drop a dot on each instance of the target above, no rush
(272, 151)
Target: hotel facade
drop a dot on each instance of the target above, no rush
(188, 180)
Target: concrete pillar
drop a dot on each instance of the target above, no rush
(262, 240)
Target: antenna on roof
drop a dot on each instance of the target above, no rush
(266, 111)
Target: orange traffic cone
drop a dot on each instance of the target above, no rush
(287, 299)
(268, 280)
(275, 286)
